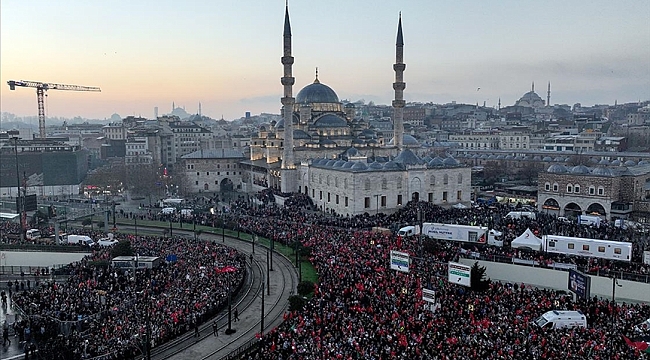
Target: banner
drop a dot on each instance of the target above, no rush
(399, 261)
(460, 274)
(429, 295)
(580, 284)
(646, 257)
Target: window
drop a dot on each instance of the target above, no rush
(320, 194)
(367, 184)
(444, 196)
(571, 246)
(585, 247)
(366, 202)
(197, 173)
(384, 184)
(337, 199)
(551, 243)
(592, 190)
(430, 197)
(445, 179)
(555, 187)
(601, 249)
(320, 179)
(459, 195)
(336, 182)
(569, 188)
(399, 199)
(460, 178)
(216, 182)
(601, 190)
(207, 173)
(383, 201)
(345, 184)
(399, 183)
(329, 197)
(346, 201)
(547, 186)
(432, 181)
(617, 251)
(576, 189)
(313, 193)
(196, 183)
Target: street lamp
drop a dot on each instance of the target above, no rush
(614, 285)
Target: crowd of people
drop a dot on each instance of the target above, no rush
(360, 309)
(102, 310)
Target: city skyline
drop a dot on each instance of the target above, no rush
(227, 56)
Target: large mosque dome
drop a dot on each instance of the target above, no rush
(530, 99)
(316, 93)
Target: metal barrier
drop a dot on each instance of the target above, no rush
(623, 275)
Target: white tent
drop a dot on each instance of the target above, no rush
(527, 240)
(459, 206)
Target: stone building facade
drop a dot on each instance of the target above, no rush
(212, 170)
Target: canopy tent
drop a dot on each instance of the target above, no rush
(527, 240)
(459, 206)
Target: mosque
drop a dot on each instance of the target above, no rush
(322, 149)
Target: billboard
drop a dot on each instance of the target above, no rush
(399, 261)
(579, 283)
(646, 257)
(459, 274)
(30, 203)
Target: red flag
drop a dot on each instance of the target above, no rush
(399, 241)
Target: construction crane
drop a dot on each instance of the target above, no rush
(41, 88)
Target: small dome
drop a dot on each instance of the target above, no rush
(559, 159)
(616, 162)
(407, 157)
(348, 164)
(318, 161)
(630, 163)
(580, 169)
(450, 161)
(280, 124)
(316, 93)
(547, 158)
(537, 158)
(484, 156)
(376, 166)
(339, 163)
(427, 158)
(500, 157)
(567, 160)
(510, 157)
(436, 162)
(492, 157)
(603, 162)
(557, 169)
(330, 163)
(330, 120)
(359, 165)
(300, 134)
(601, 171)
(407, 140)
(391, 165)
(643, 162)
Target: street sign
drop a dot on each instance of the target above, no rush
(580, 284)
(460, 274)
(399, 261)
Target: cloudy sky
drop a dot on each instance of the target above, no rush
(226, 54)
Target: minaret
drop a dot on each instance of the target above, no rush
(548, 95)
(532, 88)
(399, 85)
(288, 162)
(499, 108)
(200, 109)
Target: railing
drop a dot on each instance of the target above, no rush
(623, 275)
(33, 271)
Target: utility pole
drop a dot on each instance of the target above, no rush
(20, 199)
(262, 316)
(272, 247)
(268, 274)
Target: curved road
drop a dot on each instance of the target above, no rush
(283, 281)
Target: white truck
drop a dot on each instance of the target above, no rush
(33, 234)
(558, 319)
(463, 233)
(409, 230)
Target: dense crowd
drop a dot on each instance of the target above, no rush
(102, 310)
(361, 310)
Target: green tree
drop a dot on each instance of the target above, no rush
(296, 302)
(122, 248)
(305, 288)
(480, 281)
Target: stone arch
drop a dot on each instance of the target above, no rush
(226, 185)
(551, 206)
(596, 209)
(572, 209)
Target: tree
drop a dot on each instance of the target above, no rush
(480, 281)
(108, 178)
(143, 179)
(86, 221)
(296, 302)
(122, 248)
(305, 288)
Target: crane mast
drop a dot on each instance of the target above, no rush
(41, 88)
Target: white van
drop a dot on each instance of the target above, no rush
(80, 240)
(409, 231)
(558, 319)
(522, 214)
(168, 210)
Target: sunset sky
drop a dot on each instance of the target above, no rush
(226, 54)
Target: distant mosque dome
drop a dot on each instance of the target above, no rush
(316, 93)
(557, 169)
(530, 99)
(407, 140)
